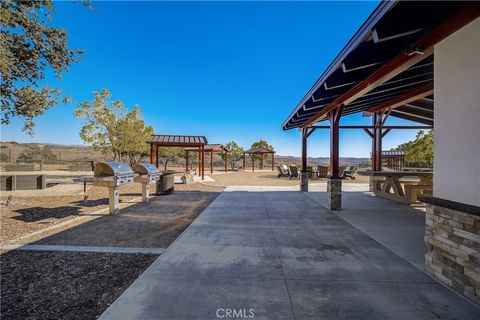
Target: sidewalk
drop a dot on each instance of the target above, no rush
(283, 255)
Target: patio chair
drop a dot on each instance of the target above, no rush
(310, 172)
(285, 169)
(282, 172)
(293, 172)
(322, 172)
(350, 172)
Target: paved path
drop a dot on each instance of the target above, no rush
(284, 256)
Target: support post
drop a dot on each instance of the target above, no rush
(203, 162)
(244, 161)
(186, 161)
(225, 159)
(304, 173)
(253, 162)
(199, 161)
(211, 161)
(261, 162)
(156, 158)
(334, 182)
(273, 161)
(151, 153)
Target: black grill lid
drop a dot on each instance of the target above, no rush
(112, 169)
(145, 168)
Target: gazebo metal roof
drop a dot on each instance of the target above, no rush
(258, 151)
(394, 34)
(177, 141)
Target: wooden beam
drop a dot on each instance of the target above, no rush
(410, 96)
(404, 60)
(304, 149)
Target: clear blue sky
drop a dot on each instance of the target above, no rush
(226, 70)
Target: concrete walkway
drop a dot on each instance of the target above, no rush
(283, 255)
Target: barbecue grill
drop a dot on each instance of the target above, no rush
(147, 173)
(112, 175)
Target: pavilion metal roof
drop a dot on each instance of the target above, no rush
(392, 153)
(394, 28)
(176, 140)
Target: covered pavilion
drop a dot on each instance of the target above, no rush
(258, 151)
(212, 149)
(394, 160)
(176, 141)
(407, 60)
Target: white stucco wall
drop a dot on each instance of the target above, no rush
(457, 116)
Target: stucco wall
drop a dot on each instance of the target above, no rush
(457, 116)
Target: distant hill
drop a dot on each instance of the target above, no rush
(70, 153)
(321, 160)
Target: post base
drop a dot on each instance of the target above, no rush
(334, 193)
(304, 181)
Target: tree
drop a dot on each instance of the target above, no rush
(166, 155)
(110, 127)
(235, 153)
(28, 48)
(420, 149)
(261, 144)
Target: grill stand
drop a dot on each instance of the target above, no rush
(114, 200)
(145, 191)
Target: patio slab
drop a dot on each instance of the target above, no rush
(285, 262)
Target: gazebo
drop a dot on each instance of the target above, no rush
(209, 148)
(174, 141)
(258, 151)
(394, 160)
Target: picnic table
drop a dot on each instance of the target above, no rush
(401, 186)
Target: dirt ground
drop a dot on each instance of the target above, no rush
(29, 215)
(81, 285)
(65, 285)
(265, 178)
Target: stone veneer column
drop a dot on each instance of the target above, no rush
(304, 181)
(334, 193)
(452, 248)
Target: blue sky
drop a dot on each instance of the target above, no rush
(226, 70)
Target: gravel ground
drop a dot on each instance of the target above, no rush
(65, 285)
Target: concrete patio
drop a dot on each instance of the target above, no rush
(282, 254)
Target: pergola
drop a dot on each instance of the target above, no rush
(212, 149)
(395, 160)
(258, 151)
(386, 69)
(175, 141)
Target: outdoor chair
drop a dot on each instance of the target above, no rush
(293, 172)
(282, 172)
(310, 172)
(350, 172)
(322, 172)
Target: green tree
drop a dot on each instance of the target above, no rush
(262, 144)
(110, 127)
(28, 47)
(420, 149)
(235, 153)
(166, 155)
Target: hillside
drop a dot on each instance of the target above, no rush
(11, 151)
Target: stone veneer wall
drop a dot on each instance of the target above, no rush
(452, 241)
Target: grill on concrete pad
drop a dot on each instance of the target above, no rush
(112, 175)
(147, 173)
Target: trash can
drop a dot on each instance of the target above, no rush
(165, 184)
